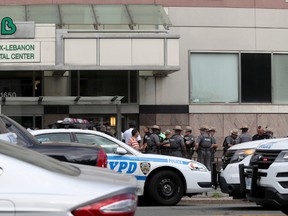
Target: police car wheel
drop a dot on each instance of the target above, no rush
(166, 188)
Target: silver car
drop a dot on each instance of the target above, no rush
(34, 184)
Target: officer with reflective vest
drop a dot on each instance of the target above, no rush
(203, 147)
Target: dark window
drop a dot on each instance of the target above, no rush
(256, 78)
(28, 121)
(105, 83)
(133, 86)
(20, 83)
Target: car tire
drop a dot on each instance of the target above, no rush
(166, 188)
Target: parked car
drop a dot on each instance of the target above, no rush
(68, 152)
(228, 179)
(161, 179)
(34, 184)
(265, 180)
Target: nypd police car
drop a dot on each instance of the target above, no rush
(163, 180)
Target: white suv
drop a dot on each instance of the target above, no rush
(265, 180)
(228, 178)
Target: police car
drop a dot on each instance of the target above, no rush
(163, 180)
(228, 179)
(265, 180)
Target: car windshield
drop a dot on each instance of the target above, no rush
(24, 138)
(37, 159)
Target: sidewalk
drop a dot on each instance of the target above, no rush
(211, 197)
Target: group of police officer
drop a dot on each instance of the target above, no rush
(157, 142)
(205, 145)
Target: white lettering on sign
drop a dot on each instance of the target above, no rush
(19, 52)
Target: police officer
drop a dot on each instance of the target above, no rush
(245, 136)
(147, 134)
(231, 140)
(153, 141)
(203, 147)
(269, 133)
(178, 148)
(167, 143)
(212, 131)
(260, 134)
(189, 142)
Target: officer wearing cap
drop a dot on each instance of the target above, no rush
(189, 142)
(231, 140)
(153, 141)
(178, 148)
(245, 136)
(203, 147)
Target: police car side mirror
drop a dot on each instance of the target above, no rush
(120, 151)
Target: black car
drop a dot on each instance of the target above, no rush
(63, 151)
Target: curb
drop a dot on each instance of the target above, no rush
(210, 200)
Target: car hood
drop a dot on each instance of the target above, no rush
(254, 144)
(277, 144)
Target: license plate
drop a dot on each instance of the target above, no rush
(248, 183)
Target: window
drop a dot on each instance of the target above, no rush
(105, 83)
(255, 78)
(32, 122)
(24, 138)
(57, 137)
(108, 145)
(214, 77)
(20, 84)
(280, 79)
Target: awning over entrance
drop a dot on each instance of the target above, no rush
(85, 14)
(58, 100)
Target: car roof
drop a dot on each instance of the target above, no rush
(61, 130)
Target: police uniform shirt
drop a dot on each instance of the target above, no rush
(146, 135)
(260, 137)
(189, 140)
(245, 137)
(201, 137)
(213, 140)
(179, 141)
(155, 139)
(232, 141)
